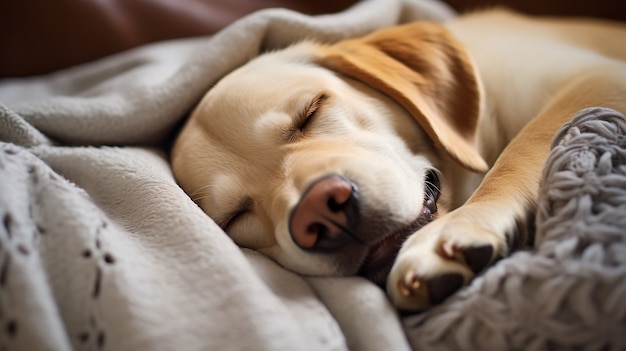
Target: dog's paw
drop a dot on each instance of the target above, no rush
(446, 254)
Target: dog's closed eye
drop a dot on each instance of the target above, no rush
(305, 118)
(242, 210)
(231, 219)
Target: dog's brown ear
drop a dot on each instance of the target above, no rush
(422, 67)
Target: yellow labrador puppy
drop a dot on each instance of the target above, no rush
(368, 156)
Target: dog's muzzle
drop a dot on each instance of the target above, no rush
(328, 213)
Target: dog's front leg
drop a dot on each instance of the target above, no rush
(446, 254)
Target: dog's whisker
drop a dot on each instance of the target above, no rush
(202, 188)
(432, 186)
(200, 197)
(201, 193)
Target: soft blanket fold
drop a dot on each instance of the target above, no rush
(100, 249)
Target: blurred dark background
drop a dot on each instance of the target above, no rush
(41, 36)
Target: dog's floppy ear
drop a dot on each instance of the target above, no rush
(423, 68)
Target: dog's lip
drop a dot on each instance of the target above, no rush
(385, 251)
(382, 254)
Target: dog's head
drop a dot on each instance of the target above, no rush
(325, 157)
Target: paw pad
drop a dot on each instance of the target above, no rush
(441, 287)
(477, 258)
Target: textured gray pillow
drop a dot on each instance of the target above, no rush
(569, 291)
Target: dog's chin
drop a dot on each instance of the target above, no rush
(381, 255)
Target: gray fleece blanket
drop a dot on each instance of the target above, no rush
(100, 249)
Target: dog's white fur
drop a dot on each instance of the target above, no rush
(491, 98)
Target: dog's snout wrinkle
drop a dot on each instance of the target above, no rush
(325, 215)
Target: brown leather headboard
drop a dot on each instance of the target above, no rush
(610, 9)
(41, 36)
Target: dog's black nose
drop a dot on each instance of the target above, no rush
(326, 214)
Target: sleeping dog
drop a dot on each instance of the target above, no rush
(410, 156)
